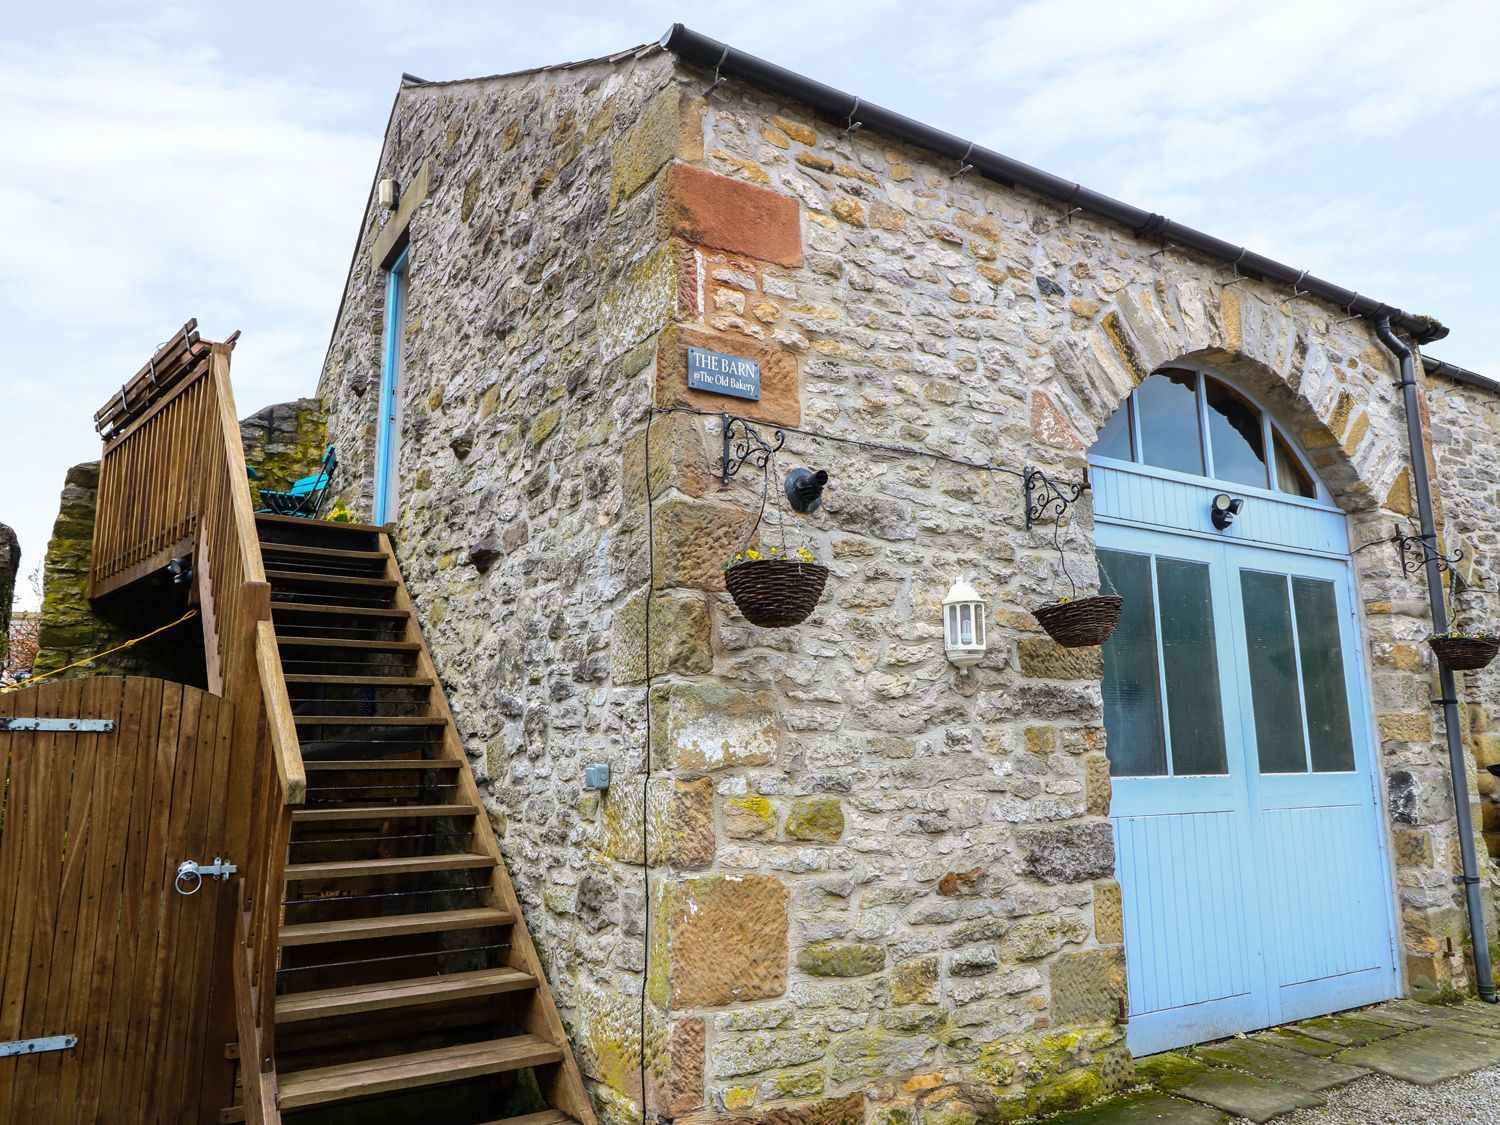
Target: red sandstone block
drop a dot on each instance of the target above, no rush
(714, 210)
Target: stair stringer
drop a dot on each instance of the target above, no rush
(564, 1089)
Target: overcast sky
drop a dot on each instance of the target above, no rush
(160, 162)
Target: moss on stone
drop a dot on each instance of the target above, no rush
(841, 959)
(1166, 1067)
(819, 819)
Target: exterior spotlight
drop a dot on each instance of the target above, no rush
(181, 570)
(963, 626)
(804, 489)
(1225, 508)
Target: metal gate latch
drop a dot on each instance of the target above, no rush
(190, 874)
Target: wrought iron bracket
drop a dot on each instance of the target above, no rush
(1046, 499)
(1417, 551)
(745, 446)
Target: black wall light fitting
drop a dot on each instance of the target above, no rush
(1225, 508)
(804, 489)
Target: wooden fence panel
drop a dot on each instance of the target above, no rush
(94, 940)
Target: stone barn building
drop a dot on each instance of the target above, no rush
(833, 876)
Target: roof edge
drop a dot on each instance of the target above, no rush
(727, 62)
(1459, 374)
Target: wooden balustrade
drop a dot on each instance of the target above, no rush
(173, 482)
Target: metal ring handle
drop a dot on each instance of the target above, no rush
(189, 879)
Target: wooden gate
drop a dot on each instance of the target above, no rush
(94, 940)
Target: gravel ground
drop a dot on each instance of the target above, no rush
(1473, 1099)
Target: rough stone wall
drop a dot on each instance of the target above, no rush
(10, 568)
(284, 442)
(522, 379)
(1465, 426)
(937, 959)
(876, 886)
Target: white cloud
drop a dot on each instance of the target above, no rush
(155, 183)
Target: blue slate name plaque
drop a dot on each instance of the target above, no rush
(722, 374)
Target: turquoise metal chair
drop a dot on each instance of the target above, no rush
(305, 497)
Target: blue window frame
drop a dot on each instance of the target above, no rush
(388, 424)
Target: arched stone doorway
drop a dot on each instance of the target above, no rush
(1250, 845)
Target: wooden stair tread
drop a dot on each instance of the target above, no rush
(404, 865)
(316, 813)
(322, 1085)
(301, 522)
(272, 548)
(546, 1117)
(330, 764)
(360, 681)
(330, 579)
(357, 998)
(369, 721)
(342, 642)
(314, 608)
(394, 925)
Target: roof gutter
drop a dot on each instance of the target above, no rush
(1457, 770)
(727, 62)
(1459, 374)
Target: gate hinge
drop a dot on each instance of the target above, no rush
(37, 1046)
(94, 726)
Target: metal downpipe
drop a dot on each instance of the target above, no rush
(1423, 487)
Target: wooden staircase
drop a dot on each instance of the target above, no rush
(407, 988)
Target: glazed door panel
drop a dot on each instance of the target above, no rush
(1324, 874)
(1249, 847)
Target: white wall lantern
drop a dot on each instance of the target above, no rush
(963, 626)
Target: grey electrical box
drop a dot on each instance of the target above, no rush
(596, 776)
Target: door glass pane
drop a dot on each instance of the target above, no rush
(1273, 672)
(1194, 712)
(1234, 436)
(1132, 689)
(1322, 675)
(1167, 408)
(1114, 439)
(1290, 475)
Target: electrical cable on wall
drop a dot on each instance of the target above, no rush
(646, 783)
(652, 411)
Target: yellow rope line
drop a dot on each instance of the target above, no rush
(88, 659)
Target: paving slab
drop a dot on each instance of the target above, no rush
(1240, 1095)
(1452, 1016)
(1143, 1109)
(1266, 1060)
(1426, 1056)
(1484, 1013)
(1391, 1019)
(1286, 1037)
(1347, 1031)
(1166, 1066)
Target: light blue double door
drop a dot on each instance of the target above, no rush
(1249, 845)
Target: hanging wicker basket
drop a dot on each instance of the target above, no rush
(1465, 654)
(775, 594)
(1081, 622)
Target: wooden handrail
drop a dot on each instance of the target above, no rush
(290, 769)
(172, 482)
